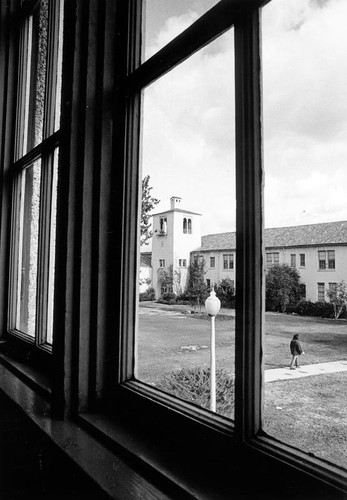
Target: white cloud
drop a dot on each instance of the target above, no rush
(189, 119)
(188, 141)
(305, 111)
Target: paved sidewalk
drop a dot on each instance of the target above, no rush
(305, 371)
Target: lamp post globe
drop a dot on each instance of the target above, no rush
(212, 304)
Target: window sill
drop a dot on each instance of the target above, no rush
(126, 462)
(29, 375)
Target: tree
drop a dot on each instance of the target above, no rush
(170, 279)
(148, 203)
(338, 297)
(282, 287)
(197, 289)
(226, 292)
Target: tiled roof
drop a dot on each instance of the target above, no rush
(146, 259)
(294, 236)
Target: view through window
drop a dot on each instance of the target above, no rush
(188, 189)
(305, 152)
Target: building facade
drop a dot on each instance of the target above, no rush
(317, 251)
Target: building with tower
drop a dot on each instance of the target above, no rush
(317, 251)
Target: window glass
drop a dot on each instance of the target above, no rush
(188, 128)
(305, 153)
(27, 248)
(164, 20)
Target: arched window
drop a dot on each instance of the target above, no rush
(163, 225)
(189, 226)
(184, 226)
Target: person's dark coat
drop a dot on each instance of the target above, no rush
(295, 347)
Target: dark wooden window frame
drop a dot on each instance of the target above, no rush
(35, 349)
(94, 392)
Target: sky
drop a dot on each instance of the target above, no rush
(188, 115)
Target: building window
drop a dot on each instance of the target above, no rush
(35, 174)
(332, 287)
(302, 260)
(326, 259)
(208, 283)
(212, 261)
(331, 259)
(272, 258)
(321, 292)
(302, 291)
(228, 261)
(322, 259)
(161, 262)
(185, 226)
(182, 262)
(293, 260)
(163, 226)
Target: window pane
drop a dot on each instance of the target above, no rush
(188, 154)
(58, 72)
(27, 252)
(37, 77)
(305, 154)
(165, 20)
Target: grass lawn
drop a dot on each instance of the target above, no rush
(310, 413)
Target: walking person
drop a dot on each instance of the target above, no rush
(296, 350)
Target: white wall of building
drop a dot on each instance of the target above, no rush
(217, 273)
(310, 274)
(175, 245)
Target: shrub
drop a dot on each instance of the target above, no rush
(193, 384)
(317, 309)
(149, 294)
(169, 297)
(225, 291)
(183, 298)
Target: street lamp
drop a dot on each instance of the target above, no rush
(212, 304)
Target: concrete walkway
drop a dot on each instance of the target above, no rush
(305, 371)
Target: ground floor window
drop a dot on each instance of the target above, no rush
(321, 292)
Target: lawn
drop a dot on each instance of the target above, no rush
(310, 413)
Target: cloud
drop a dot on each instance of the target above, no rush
(188, 130)
(188, 135)
(305, 111)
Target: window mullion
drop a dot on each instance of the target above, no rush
(52, 67)
(44, 249)
(249, 225)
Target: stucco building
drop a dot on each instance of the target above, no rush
(317, 251)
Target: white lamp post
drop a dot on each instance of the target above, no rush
(212, 304)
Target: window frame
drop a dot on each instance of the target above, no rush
(321, 292)
(302, 260)
(228, 261)
(93, 384)
(293, 260)
(35, 348)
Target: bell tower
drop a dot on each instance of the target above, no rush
(176, 233)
